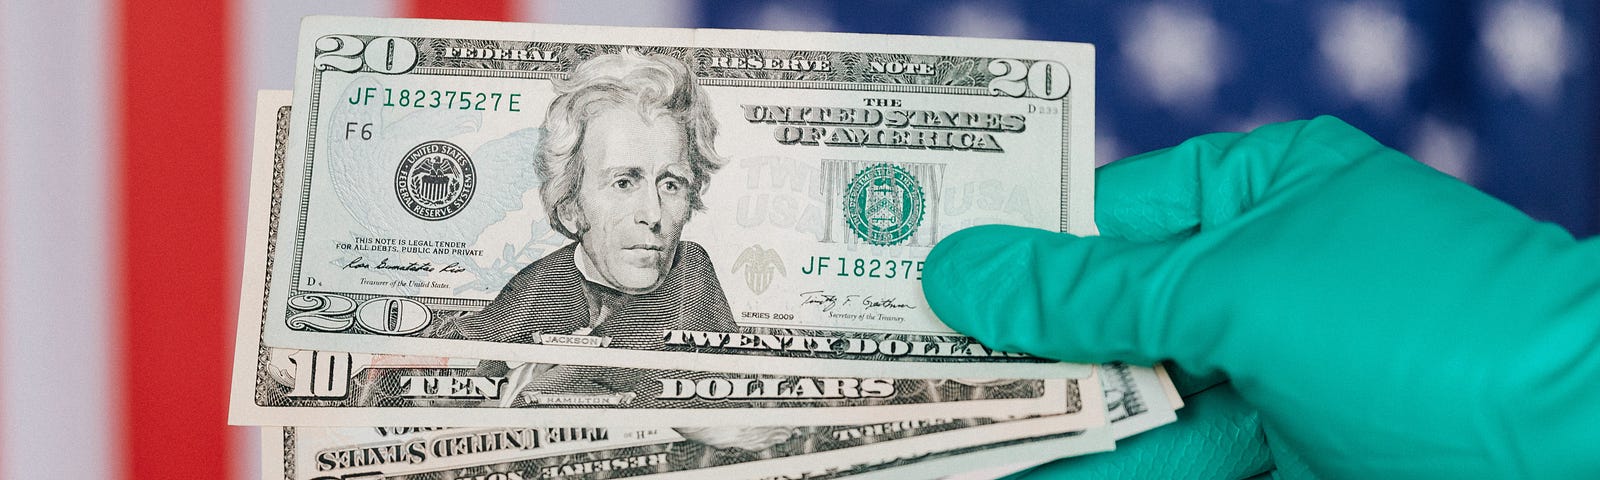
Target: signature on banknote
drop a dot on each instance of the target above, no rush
(828, 302)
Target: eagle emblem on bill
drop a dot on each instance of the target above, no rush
(759, 265)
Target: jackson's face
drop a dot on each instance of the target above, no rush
(634, 197)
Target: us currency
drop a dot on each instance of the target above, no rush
(1138, 399)
(918, 449)
(277, 386)
(759, 202)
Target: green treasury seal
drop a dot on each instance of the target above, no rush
(883, 204)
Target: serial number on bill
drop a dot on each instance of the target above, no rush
(441, 99)
(863, 267)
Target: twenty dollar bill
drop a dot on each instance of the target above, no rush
(663, 198)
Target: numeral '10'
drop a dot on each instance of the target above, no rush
(320, 374)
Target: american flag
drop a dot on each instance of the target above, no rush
(124, 128)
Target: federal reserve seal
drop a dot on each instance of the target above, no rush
(883, 204)
(435, 180)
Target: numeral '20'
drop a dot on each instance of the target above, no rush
(1045, 79)
(348, 54)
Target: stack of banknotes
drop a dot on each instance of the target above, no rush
(499, 251)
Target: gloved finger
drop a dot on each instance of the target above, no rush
(1217, 436)
(1115, 297)
(1210, 180)
(1051, 294)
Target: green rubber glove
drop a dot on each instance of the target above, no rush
(1381, 319)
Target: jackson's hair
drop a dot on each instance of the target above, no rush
(654, 85)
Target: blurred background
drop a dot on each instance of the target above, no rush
(124, 132)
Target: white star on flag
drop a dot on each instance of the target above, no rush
(1369, 50)
(1177, 52)
(1528, 48)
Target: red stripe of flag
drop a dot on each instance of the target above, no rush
(172, 200)
(496, 10)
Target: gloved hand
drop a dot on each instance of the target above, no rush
(1380, 319)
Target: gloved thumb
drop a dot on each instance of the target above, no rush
(1055, 295)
